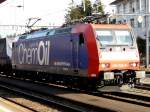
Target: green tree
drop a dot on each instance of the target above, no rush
(76, 12)
(98, 7)
(86, 8)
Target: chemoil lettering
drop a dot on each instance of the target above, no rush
(21, 54)
(43, 53)
(37, 54)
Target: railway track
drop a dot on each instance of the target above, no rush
(42, 99)
(143, 86)
(64, 104)
(130, 95)
(21, 103)
(73, 100)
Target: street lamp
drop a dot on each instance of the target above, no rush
(21, 6)
(147, 35)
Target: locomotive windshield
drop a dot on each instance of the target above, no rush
(105, 37)
(114, 37)
(123, 37)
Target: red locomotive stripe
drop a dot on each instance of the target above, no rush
(93, 60)
(93, 67)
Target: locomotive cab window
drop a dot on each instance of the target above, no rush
(81, 39)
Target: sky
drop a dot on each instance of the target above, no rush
(51, 12)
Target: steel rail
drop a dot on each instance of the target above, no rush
(62, 103)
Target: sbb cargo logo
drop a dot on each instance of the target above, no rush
(34, 53)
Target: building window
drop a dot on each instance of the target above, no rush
(130, 6)
(132, 9)
(118, 8)
(124, 8)
(143, 4)
(139, 25)
(132, 22)
(137, 5)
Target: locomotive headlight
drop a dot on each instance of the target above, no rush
(133, 64)
(105, 65)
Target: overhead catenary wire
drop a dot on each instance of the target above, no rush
(7, 2)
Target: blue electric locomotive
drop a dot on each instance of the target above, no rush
(83, 53)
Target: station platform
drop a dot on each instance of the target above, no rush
(6, 106)
(145, 80)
